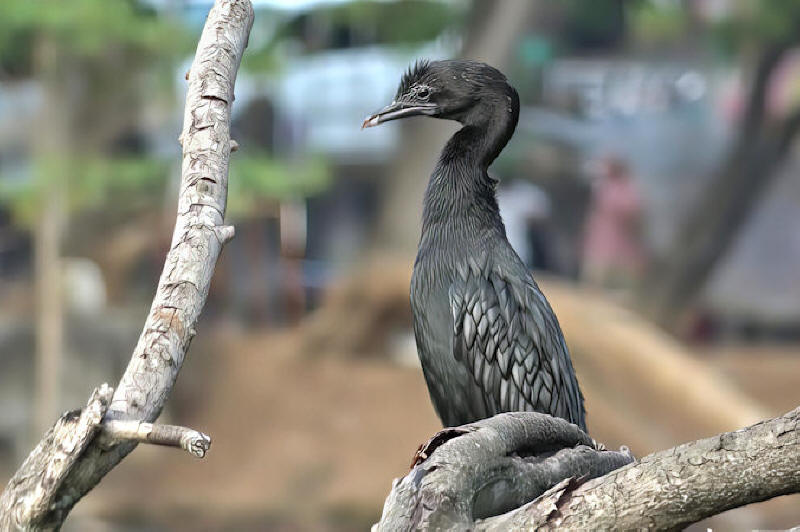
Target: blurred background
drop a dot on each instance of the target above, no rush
(652, 185)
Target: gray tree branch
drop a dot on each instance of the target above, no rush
(663, 491)
(70, 460)
(491, 467)
(190, 440)
(30, 492)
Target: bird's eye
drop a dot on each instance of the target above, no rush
(423, 93)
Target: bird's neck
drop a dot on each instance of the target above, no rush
(487, 128)
(460, 197)
(460, 202)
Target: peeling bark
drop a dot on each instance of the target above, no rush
(170, 326)
(490, 467)
(666, 490)
(193, 442)
(31, 491)
(674, 488)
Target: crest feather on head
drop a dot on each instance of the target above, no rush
(415, 73)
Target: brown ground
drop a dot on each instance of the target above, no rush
(298, 442)
(313, 443)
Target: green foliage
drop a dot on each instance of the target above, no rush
(96, 183)
(22, 198)
(759, 23)
(124, 56)
(742, 25)
(654, 24)
(84, 28)
(256, 177)
(406, 22)
(102, 179)
(91, 183)
(262, 59)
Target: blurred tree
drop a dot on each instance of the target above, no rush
(47, 236)
(89, 57)
(109, 61)
(258, 178)
(761, 35)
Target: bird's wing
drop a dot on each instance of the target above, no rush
(509, 339)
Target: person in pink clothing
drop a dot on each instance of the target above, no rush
(612, 249)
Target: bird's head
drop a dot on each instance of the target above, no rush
(465, 91)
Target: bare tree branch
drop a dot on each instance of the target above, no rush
(491, 467)
(70, 461)
(665, 490)
(192, 441)
(30, 492)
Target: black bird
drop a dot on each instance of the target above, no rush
(486, 336)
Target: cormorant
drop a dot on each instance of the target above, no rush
(486, 336)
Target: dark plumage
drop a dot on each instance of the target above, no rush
(487, 337)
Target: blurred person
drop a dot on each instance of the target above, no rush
(613, 253)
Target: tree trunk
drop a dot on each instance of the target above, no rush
(725, 205)
(50, 160)
(49, 313)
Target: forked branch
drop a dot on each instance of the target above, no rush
(670, 489)
(490, 467)
(71, 459)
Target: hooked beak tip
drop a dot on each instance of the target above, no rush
(370, 121)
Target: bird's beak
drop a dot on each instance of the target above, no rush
(397, 110)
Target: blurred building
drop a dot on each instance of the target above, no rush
(672, 123)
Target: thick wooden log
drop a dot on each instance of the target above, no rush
(490, 467)
(667, 490)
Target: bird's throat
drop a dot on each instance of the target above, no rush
(460, 203)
